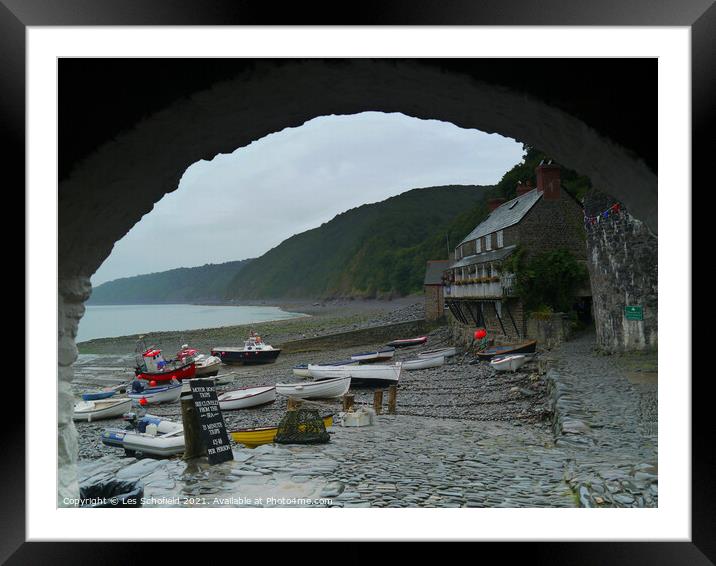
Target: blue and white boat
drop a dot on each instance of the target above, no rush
(378, 355)
(160, 394)
(149, 435)
(98, 395)
(301, 370)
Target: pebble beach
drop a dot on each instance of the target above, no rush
(463, 435)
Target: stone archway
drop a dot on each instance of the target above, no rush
(111, 189)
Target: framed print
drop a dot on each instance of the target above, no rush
(394, 269)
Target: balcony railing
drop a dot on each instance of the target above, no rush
(502, 288)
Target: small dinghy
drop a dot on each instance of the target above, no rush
(98, 395)
(325, 389)
(444, 352)
(508, 363)
(160, 394)
(247, 397)
(253, 437)
(406, 342)
(149, 435)
(527, 347)
(373, 374)
(424, 363)
(368, 357)
(100, 409)
(302, 370)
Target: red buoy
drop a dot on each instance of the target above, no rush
(143, 401)
(480, 333)
(152, 383)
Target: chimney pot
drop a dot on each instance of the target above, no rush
(523, 188)
(548, 180)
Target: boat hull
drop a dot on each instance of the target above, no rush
(371, 357)
(187, 371)
(524, 347)
(408, 342)
(445, 352)
(508, 363)
(156, 395)
(208, 369)
(246, 357)
(424, 363)
(96, 410)
(246, 398)
(374, 374)
(257, 436)
(325, 389)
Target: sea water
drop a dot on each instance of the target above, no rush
(106, 321)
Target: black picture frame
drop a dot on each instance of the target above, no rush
(699, 15)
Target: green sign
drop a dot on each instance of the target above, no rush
(634, 312)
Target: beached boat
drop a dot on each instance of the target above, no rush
(325, 389)
(247, 397)
(255, 351)
(445, 352)
(301, 370)
(423, 363)
(512, 362)
(96, 396)
(373, 374)
(524, 347)
(166, 393)
(149, 435)
(205, 366)
(406, 342)
(369, 357)
(101, 409)
(253, 437)
(151, 366)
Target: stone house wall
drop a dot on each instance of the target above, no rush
(622, 259)
(434, 302)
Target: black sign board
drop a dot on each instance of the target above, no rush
(211, 422)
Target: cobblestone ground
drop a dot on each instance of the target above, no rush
(610, 423)
(463, 437)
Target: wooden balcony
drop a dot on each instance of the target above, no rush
(492, 290)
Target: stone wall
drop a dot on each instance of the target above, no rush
(463, 333)
(434, 302)
(549, 331)
(623, 268)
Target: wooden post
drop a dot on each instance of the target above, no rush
(293, 404)
(193, 446)
(348, 402)
(392, 398)
(378, 401)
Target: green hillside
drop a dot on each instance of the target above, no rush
(183, 285)
(375, 250)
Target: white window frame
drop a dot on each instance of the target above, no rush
(488, 242)
(478, 246)
(500, 239)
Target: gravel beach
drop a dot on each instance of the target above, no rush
(463, 436)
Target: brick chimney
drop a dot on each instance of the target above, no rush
(548, 180)
(523, 188)
(493, 203)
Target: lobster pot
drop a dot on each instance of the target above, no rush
(302, 426)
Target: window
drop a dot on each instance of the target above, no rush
(478, 245)
(488, 242)
(500, 240)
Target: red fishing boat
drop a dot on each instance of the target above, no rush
(151, 366)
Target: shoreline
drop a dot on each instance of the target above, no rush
(318, 318)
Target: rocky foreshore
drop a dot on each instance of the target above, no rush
(463, 434)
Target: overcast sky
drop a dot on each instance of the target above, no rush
(242, 204)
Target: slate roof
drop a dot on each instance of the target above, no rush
(505, 215)
(434, 271)
(493, 255)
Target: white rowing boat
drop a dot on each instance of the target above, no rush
(445, 352)
(101, 409)
(153, 395)
(387, 374)
(508, 363)
(324, 389)
(367, 357)
(153, 436)
(247, 397)
(424, 363)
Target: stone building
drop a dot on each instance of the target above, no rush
(478, 291)
(433, 286)
(623, 267)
